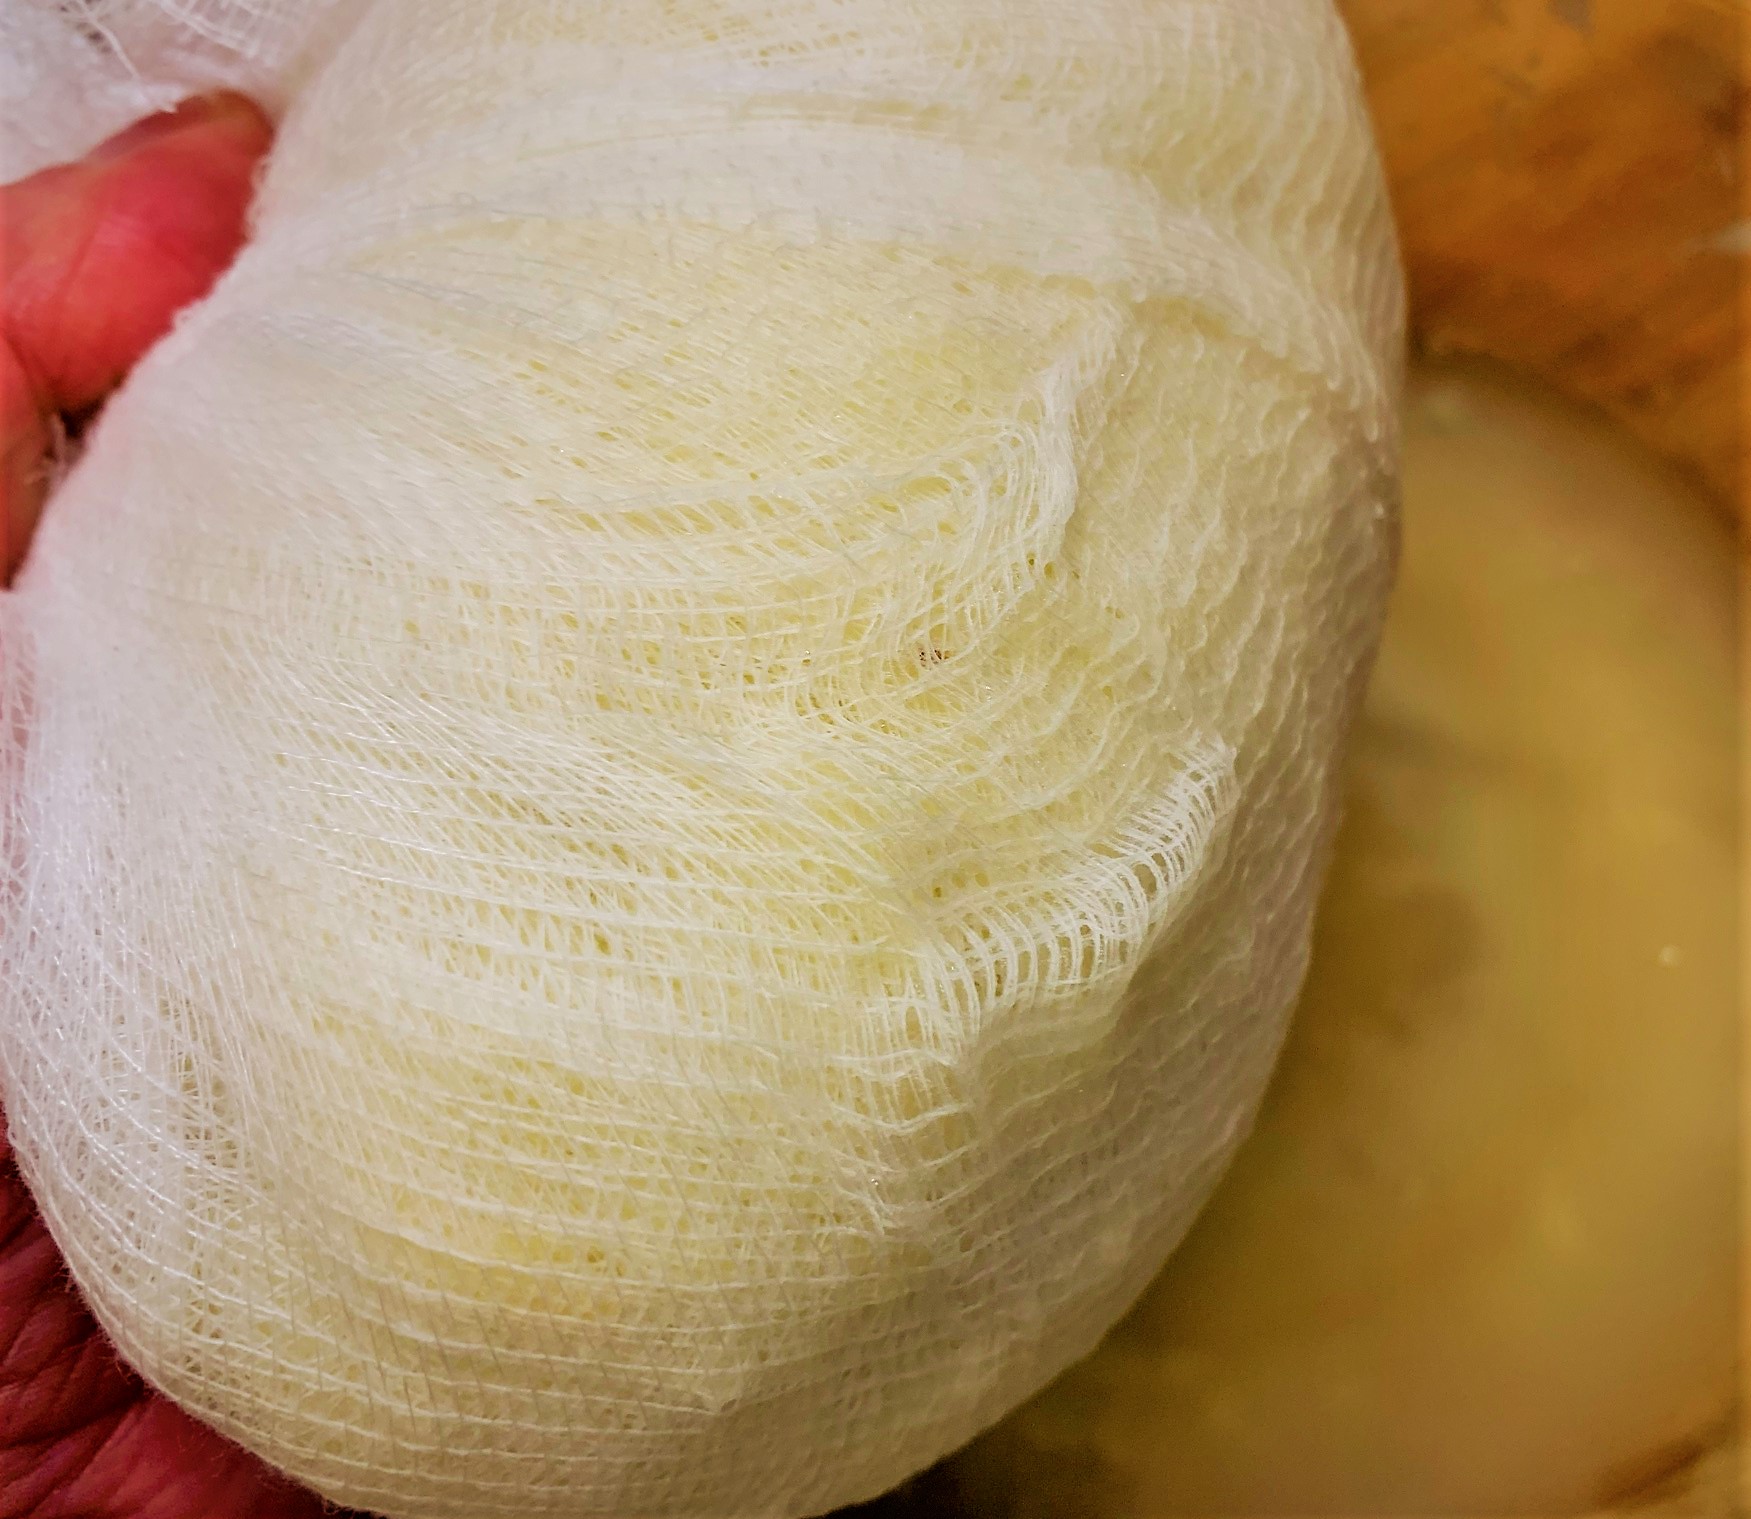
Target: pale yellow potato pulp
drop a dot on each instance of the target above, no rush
(680, 746)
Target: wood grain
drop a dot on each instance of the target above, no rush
(1568, 181)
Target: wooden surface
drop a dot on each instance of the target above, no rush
(1567, 180)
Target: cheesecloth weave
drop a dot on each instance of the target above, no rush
(666, 772)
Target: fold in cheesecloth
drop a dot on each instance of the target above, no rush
(668, 768)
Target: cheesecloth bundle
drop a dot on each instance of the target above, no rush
(666, 772)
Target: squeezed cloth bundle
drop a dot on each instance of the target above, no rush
(667, 770)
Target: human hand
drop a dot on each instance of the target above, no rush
(96, 257)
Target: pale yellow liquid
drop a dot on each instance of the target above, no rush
(1480, 1256)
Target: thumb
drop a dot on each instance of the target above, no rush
(96, 257)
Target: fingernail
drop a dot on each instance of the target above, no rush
(205, 111)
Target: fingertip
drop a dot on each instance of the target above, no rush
(101, 254)
(96, 258)
(228, 113)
